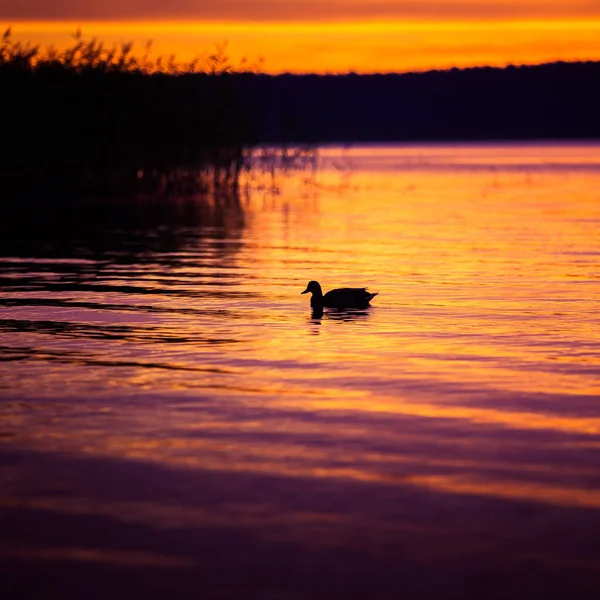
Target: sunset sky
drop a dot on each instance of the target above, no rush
(327, 35)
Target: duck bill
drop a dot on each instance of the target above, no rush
(304, 292)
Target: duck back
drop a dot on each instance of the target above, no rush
(348, 298)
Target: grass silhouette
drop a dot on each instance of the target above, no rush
(99, 119)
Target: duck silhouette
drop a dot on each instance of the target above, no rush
(339, 298)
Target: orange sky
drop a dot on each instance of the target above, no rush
(328, 35)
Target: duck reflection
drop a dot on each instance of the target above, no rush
(316, 313)
(348, 314)
(339, 314)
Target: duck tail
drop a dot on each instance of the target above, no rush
(370, 296)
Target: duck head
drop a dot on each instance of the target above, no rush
(314, 288)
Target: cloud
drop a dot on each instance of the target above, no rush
(292, 10)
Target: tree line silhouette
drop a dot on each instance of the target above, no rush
(550, 101)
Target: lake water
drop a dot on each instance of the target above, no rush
(175, 422)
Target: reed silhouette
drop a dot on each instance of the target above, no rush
(100, 119)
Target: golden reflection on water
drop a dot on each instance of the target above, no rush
(475, 369)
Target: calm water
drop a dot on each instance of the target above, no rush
(173, 420)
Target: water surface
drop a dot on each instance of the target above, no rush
(174, 418)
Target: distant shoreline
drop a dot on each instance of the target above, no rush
(544, 102)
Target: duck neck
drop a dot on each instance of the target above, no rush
(317, 297)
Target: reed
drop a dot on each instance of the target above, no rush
(98, 119)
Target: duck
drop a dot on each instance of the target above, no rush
(339, 298)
